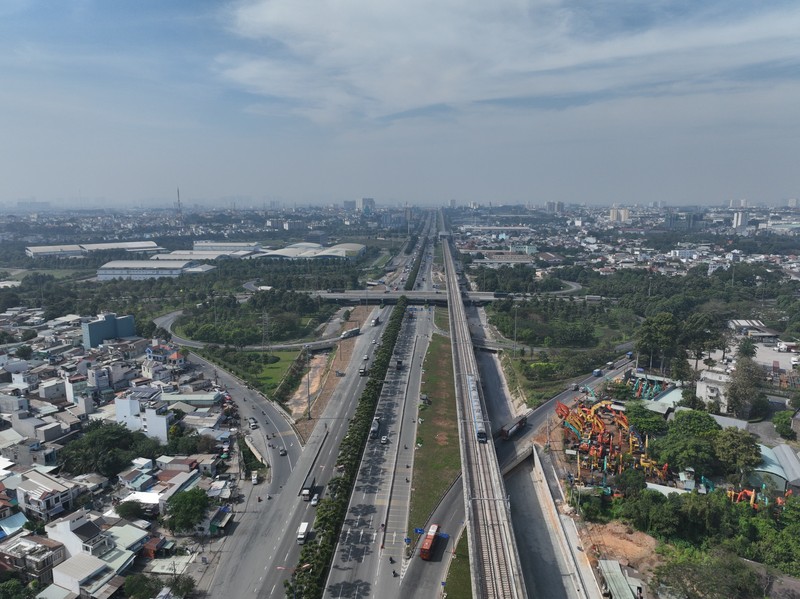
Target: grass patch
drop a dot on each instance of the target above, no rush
(536, 393)
(272, 374)
(382, 260)
(55, 273)
(248, 459)
(437, 461)
(459, 579)
(441, 318)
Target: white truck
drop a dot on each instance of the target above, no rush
(350, 333)
(302, 533)
(254, 477)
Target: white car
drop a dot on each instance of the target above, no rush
(366, 357)
(384, 440)
(315, 499)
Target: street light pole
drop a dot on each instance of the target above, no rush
(308, 380)
(515, 330)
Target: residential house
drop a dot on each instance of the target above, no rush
(44, 496)
(32, 557)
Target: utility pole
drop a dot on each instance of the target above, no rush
(308, 380)
(515, 330)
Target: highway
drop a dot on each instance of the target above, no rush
(261, 550)
(377, 516)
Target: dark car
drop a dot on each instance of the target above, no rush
(282, 451)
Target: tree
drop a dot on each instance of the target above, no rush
(182, 585)
(107, 448)
(720, 575)
(631, 482)
(658, 335)
(743, 387)
(14, 589)
(681, 369)
(689, 442)
(186, 509)
(699, 334)
(747, 348)
(690, 400)
(759, 407)
(130, 510)
(24, 352)
(737, 451)
(783, 425)
(141, 586)
(643, 420)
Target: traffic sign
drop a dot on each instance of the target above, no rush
(419, 531)
(407, 540)
(444, 535)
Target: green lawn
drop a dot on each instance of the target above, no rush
(272, 374)
(441, 318)
(459, 581)
(382, 260)
(437, 461)
(536, 393)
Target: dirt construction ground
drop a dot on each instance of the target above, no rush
(323, 380)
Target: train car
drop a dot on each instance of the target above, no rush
(429, 541)
(478, 420)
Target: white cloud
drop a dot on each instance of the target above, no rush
(335, 60)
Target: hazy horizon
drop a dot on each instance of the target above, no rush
(119, 103)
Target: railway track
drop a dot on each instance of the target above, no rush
(494, 560)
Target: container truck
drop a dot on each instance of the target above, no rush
(350, 333)
(513, 427)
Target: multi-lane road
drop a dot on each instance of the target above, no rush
(262, 549)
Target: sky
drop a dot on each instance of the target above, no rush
(119, 103)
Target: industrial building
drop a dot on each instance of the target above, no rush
(149, 269)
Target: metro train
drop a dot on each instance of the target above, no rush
(478, 421)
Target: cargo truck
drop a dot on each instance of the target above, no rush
(254, 477)
(376, 321)
(307, 490)
(302, 533)
(513, 427)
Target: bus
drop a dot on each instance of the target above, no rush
(427, 545)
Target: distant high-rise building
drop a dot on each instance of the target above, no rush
(619, 215)
(349, 205)
(741, 203)
(452, 202)
(365, 205)
(739, 220)
(793, 203)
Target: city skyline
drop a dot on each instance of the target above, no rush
(256, 101)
